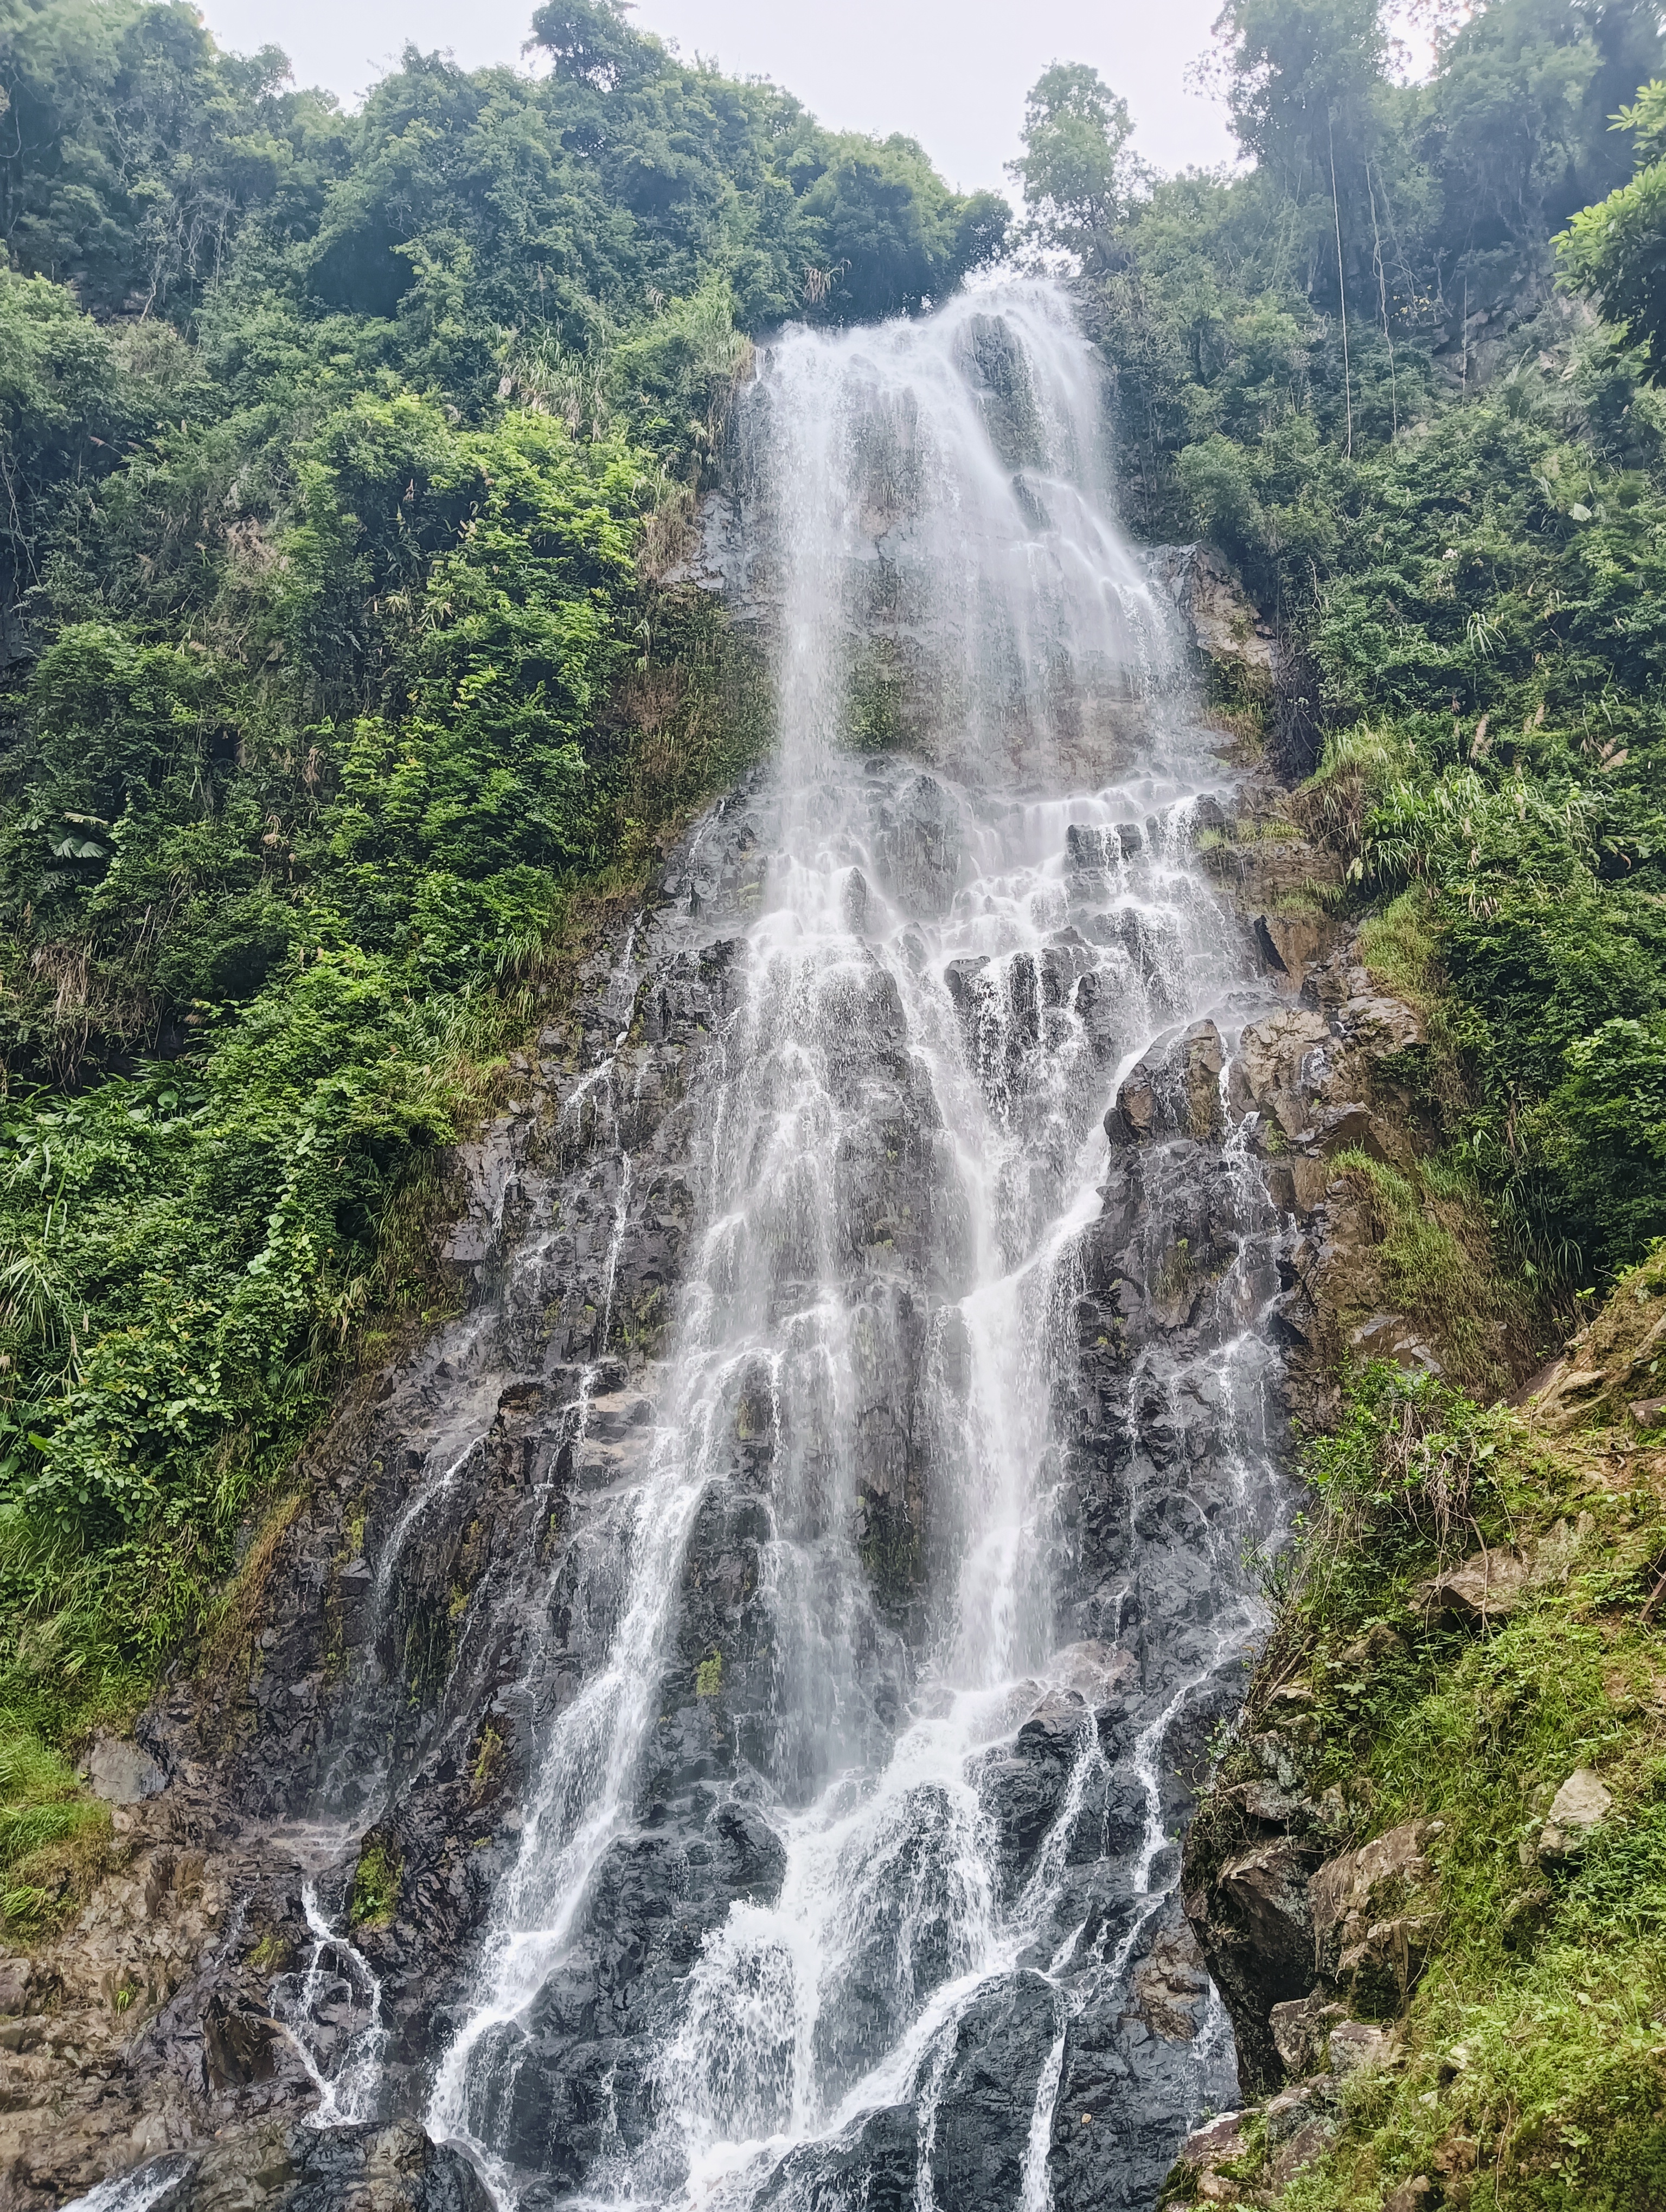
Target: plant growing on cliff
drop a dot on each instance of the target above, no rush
(375, 1894)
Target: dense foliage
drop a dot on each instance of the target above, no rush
(341, 458)
(1446, 479)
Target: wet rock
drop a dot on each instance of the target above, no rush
(1228, 633)
(919, 846)
(854, 901)
(874, 2163)
(982, 2132)
(1022, 1789)
(1171, 1985)
(1175, 1091)
(1089, 847)
(959, 975)
(122, 1772)
(756, 1858)
(1134, 1117)
(1580, 1806)
(283, 2167)
(366, 2168)
(1268, 1064)
(1114, 2138)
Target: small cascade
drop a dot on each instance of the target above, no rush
(331, 2009)
(149, 2185)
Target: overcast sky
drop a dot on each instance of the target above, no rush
(951, 73)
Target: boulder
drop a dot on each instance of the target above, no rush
(1265, 1889)
(1412, 2196)
(1134, 1117)
(1351, 1127)
(1579, 1806)
(1391, 1336)
(1354, 2046)
(1355, 1890)
(1269, 1056)
(121, 1772)
(1288, 943)
(1299, 2029)
(1210, 598)
(1202, 1063)
(1216, 2139)
(1175, 1091)
(1307, 2143)
(1388, 1957)
(1171, 1986)
(1486, 1588)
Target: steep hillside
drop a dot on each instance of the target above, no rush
(1431, 1871)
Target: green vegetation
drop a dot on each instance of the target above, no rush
(344, 462)
(375, 1882)
(51, 1838)
(1445, 481)
(1531, 2065)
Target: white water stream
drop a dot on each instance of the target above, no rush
(947, 977)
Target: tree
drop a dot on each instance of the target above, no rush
(1076, 172)
(1617, 249)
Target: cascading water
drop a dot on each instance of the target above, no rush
(983, 1420)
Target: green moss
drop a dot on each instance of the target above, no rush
(272, 1954)
(375, 1882)
(708, 1675)
(1435, 1264)
(874, 713)
(487, 1766)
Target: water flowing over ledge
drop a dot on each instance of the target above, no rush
(877, 1362)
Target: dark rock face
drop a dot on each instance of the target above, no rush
(349, 2169)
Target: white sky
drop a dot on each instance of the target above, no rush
(951, 73)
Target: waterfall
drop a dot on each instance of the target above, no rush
(974, 1417)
